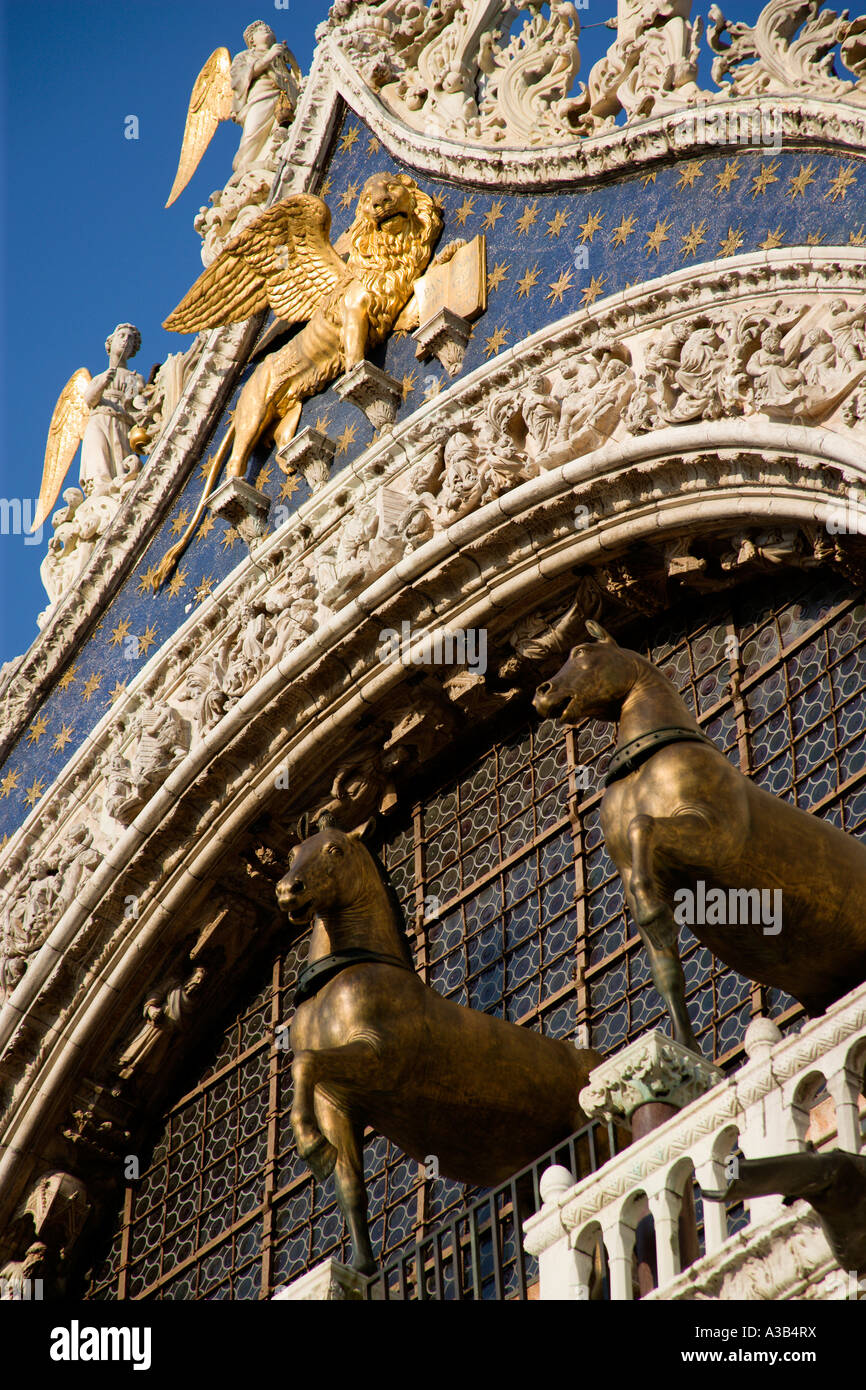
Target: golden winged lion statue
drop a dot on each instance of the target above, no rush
(284, 259)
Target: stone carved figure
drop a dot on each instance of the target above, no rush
(160, 741)
(374, 1045)
(99, 413)
(284, 259)
(676, 813)
(166, 1012)
(231, 209)
(40, 900)
(258, 90)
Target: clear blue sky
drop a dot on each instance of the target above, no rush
(85, 240)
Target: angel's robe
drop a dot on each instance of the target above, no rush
(106, 438)
(254, 104)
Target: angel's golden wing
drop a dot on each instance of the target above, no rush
(64, 436)
(283, 258)
(210, 103)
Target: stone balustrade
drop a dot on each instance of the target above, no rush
(762, 1109)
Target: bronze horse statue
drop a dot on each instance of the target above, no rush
(678, 816)
(373, 1045)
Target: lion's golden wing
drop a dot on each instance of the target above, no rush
(283, 258)
(210, 103)
(65, 433)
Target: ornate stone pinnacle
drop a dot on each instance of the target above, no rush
(652, 1068)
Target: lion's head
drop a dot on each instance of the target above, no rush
(392, 237)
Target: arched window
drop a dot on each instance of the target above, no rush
(513, 907)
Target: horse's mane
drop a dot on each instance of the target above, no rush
(396, 905)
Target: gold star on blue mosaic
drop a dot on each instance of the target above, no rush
(10, 782)
(496, 341)
(527, 218)
(841, 182)
(496, 276)
(346, 438)
(351, 193)
(799, 182)
(349, 139)
(772, 239)
(762, 180)
(732, 242)
(694, 237)
(528, 281)
(465, 210)
(61, 739)
(119, 632)
(689, 172)
(91, 685)
(730, 172)
(146, 640)
(34, 792)
(593, 290)
(556, 223)
(559, 287)
(37, 729)
(492, 216)
(589, 228)
(625, 229)
(68, 677)
(658, 235)
(177, 582)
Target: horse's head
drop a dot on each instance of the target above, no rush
(325, 874)
(593, 682)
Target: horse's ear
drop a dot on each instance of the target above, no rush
(360, 832)
(597, 631)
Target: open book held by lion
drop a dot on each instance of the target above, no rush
(284, 259)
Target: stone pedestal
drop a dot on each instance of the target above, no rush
(311, 454)
(373, 391)
(653, 1071)
(243, 506)
(445, 335)
(328, 1282)
(644, 1086)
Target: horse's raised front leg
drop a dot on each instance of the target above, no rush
(348, 1140)
(683, 837)
(686, 839)
(342, 1066)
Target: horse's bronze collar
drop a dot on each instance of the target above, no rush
(632, 754)
(313, 977)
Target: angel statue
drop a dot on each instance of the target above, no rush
(258, 90)
(284, 259)
(96, 412)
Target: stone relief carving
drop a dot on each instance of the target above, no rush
(455, 69)
(160, 741)
(38, 900)
(229, 210)
(793, 46)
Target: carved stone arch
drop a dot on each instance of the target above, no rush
(516, 555)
